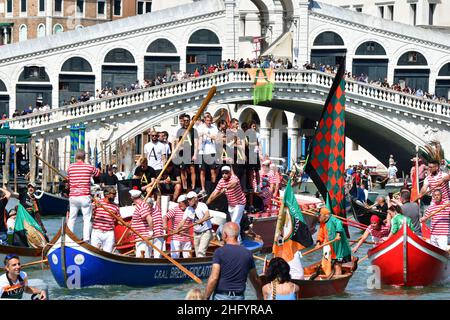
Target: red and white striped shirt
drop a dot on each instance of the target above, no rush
(103, 220)
(378, 235)
(266, 196)
(176, 215)
(440, 221)
(433, 183)
(274, 177)
(79, 174)
(235, 196)
(157, 222)
(139, 221)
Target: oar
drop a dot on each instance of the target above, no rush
(33, 263)
(318, 248)
(340, 218)
(437, 211)
(366, 242)
(51, 167)
(205, 102)
(189, 273)
(363, 258)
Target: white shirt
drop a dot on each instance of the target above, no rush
(206, 135)
(197, 214)
(154, 153)
(296, 271)
(4, 283)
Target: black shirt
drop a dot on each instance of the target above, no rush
(109, 180)
(173, 174)
(147, 174)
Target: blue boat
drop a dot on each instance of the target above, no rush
(50, 204)
(76, 264)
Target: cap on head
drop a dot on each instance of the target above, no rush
(114, 165)
(191, 195)
(181, 198)
(225, 168)
(134, 193)
(374, 218)
(31, 184)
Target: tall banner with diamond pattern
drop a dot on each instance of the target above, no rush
(326, 157)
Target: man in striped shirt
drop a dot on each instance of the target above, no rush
(142, 222)
(230, 185)
(158, 233)
(439, 213)
(102, 235)
(179, 242)
(436, 179)
(79, 175)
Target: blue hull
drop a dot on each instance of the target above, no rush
(86, 266)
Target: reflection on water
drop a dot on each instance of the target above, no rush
(356, 289)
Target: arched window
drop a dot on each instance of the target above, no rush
(204, 36)
(41, 31)
(76, 64)
(23, 33)
(34, 74)
(58, 28)
(119, 56)
(412, 58)
(370, 48)
(328, 38)
(2, 86)
(161, 46)
(445, 71)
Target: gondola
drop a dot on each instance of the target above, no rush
(320, 286)
(25, 254)
(407, 260)
(363, 214)
(50, 204)
(76, 264)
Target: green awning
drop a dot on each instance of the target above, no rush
(6, 24)
(22, 135)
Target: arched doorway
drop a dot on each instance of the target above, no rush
(4, 99)
(327, 48)
(33, 88)
(443, 82)
(249, 115)
(371, 60)
(203, 50)
(119, 69)
(412, 71)
(76, 77)
(161, 59)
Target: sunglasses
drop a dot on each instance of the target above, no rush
(154, 135)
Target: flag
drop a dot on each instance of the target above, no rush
(296, 234)
(415, 184)
(326, 158)
(27, 232)
(263, 84)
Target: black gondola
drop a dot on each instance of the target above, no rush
(363, 214)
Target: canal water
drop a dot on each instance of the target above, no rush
(356, 289)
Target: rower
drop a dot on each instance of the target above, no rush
(14, 282)
(102, 236)
(180, 242)
(376, 229)
(330, 229)
(142, 222)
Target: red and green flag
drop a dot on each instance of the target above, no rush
(295, 234)
(326, 158)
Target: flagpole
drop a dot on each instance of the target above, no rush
(417, 175)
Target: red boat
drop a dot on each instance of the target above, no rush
(407, 260)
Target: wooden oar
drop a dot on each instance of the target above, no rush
(318, 248)
(340, 218)
(363, 258)
(51, 167)
(189, 273)
(366, 242)
(34, 263)
(205, 102)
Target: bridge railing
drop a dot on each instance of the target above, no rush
(102, 107)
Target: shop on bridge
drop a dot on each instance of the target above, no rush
(203, 49)
(327, 49)
(76, 77)
(119, 69)
(4, 99)
(33, 88)
(412, 71)
(443, 82)
(161, 59)
(371, 60)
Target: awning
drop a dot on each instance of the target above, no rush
(281, 48)
(6, 24)
(22, 135)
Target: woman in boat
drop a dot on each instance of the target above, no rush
(395, 219)
(279, 286)
(376, 229)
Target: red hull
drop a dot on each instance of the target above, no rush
(407, 260)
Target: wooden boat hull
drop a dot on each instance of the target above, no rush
(362, 214)
(25, 254)
(50, 204)
(407, 260)
(77, 264)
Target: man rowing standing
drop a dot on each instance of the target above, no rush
(439, 213)
(230, 185)
(102, 235)
(436, 179)
(180, 242)
(142, 222)
(79, 175)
